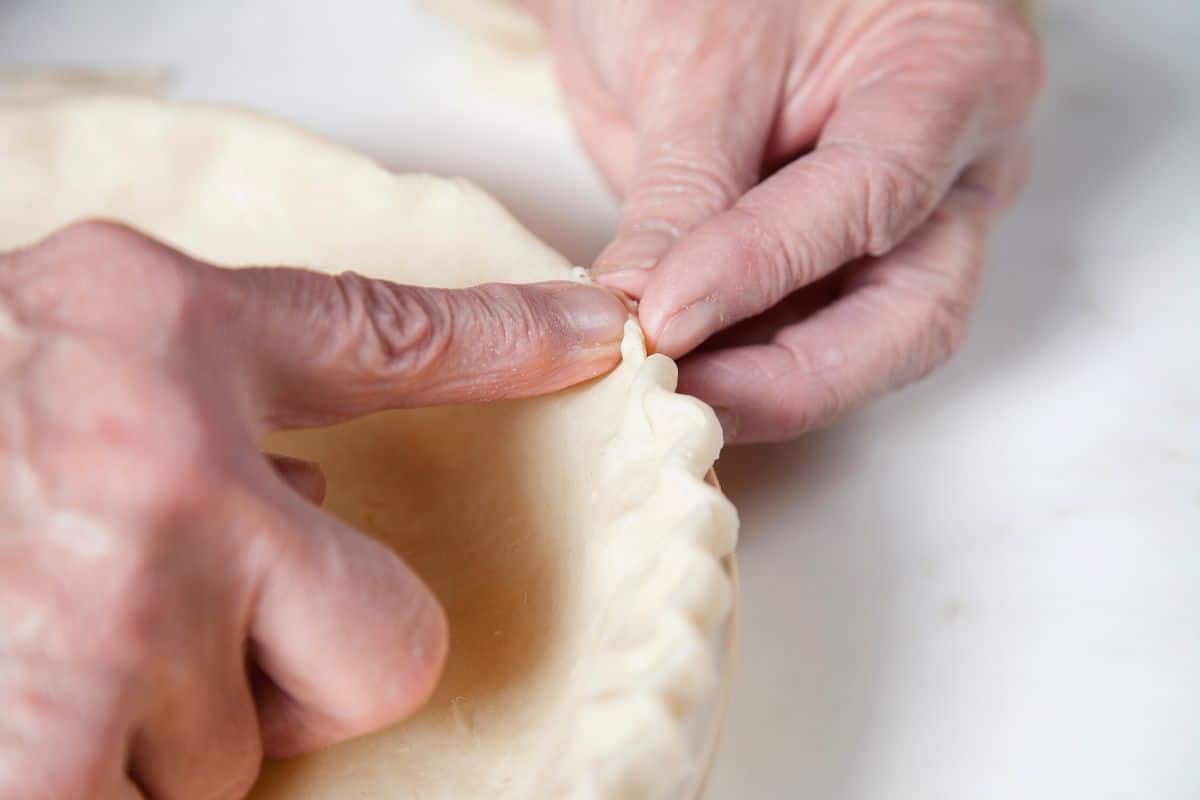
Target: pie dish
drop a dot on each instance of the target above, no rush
(580, 553)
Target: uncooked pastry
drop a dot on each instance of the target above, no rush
(572, 538)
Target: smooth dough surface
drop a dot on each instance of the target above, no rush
(571, 538)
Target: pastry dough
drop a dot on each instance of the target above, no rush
(572, 538)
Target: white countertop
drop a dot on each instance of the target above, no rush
(985, 587)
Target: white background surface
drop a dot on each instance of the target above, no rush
(985, 587)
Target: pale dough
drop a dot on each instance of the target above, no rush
(572, 538)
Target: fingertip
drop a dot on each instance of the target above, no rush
(593, 314)
(411, 656)
(697, 289)
(631, 283)
(428, 646)
(676, 333)
(732, 382)
(636, 251)
(347, 636)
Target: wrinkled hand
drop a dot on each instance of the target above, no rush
(170, 607)
(807, 184)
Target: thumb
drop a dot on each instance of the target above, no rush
(330, 348)
(698, 152)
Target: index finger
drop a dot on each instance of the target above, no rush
(326, 348)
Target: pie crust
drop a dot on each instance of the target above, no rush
(573, 539)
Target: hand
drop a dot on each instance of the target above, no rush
(170, 608)
(807, 184)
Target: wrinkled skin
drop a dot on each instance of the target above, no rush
(173, 604)
(807, 185)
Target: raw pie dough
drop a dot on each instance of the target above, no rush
(572, 538)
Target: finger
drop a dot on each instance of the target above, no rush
(761, 329)
(328, 348)
(900, 316)
(701, 117)
(682, 177)
(128, 790)
(886, 157)
(196, 733)
(597, 117)
(303, 476)
(349, 637)
(201, 738)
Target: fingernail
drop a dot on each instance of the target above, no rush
(639, 251)
(728, 420)
(597, 315)
(632, 282)
(689, 327)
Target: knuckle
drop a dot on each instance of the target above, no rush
(939, 330)
(86, 246)
(114, 249)
(898, 193)
(99, 236)
(1023, 48)
(162, 290)
(763, 257)
(894, 187)
(170, 454)
(396, 332)
(945, 330)
(820, 398)
(174, 488)
(687, 179)
(798, 415)
(1004, 51)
